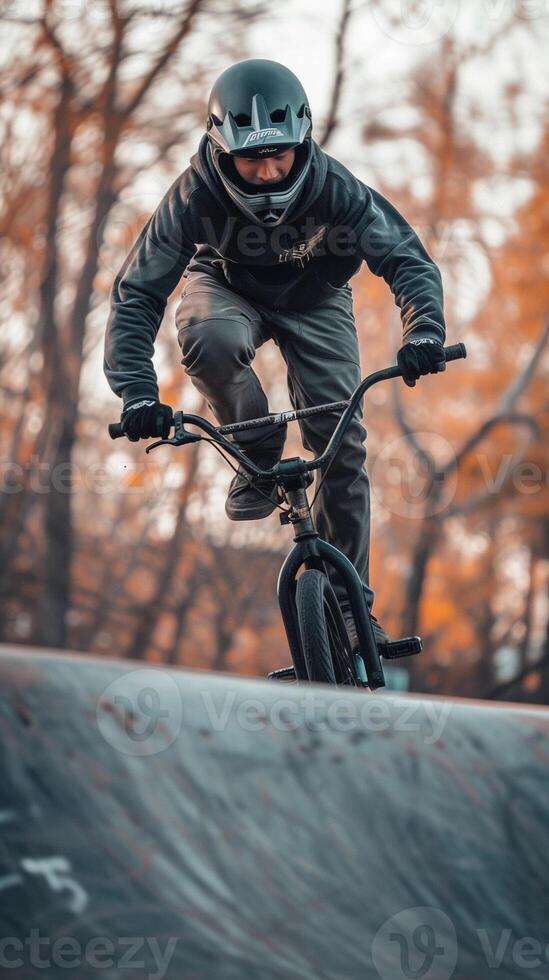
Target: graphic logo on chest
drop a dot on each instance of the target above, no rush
(302, 252)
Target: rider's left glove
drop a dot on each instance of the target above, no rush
(420, 356)
(145, 418)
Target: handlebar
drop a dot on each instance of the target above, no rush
(452, 353)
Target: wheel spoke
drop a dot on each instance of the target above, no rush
(341, 651)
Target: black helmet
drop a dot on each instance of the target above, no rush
(258, 108)
(258, 104)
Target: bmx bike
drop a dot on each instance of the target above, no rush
(316, 631)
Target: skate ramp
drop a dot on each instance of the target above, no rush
(161, 823)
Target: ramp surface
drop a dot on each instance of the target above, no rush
(185, 825)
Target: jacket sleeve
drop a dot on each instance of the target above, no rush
(140, 292)
(391, 249)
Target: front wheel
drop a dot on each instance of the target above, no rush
(323, 635)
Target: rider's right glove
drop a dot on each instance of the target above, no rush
(146, 418)
(420, 356)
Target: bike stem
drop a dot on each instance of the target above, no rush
(294, 482)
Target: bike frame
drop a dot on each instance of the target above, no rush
(293, 476)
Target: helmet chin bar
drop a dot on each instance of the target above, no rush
(271, 218)
(266, 207)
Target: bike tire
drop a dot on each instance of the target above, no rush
(323, 636)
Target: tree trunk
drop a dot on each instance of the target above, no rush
(60, 416)
(425, 546)
(54, 602)
(148, 620)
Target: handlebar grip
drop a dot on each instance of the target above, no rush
(115, 430)
(454, 352)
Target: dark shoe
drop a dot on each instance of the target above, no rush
(249, 501)
(282, 674)
(380, 635)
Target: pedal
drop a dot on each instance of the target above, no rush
(284, 674)
(409, 646)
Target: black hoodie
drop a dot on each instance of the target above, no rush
(336, 223)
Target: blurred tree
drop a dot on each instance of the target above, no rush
(485, 465)
(86, 87)
(135, 560)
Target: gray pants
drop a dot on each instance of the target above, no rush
(219, 332)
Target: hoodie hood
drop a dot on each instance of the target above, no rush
(204, 165)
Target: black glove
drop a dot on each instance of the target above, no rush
(421, 356)
(146, 418)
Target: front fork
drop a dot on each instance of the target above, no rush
(313, 552)
(305, 535)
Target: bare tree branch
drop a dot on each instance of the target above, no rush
(404, 425)
(171, 47)
(519, 384)
(331, 122)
